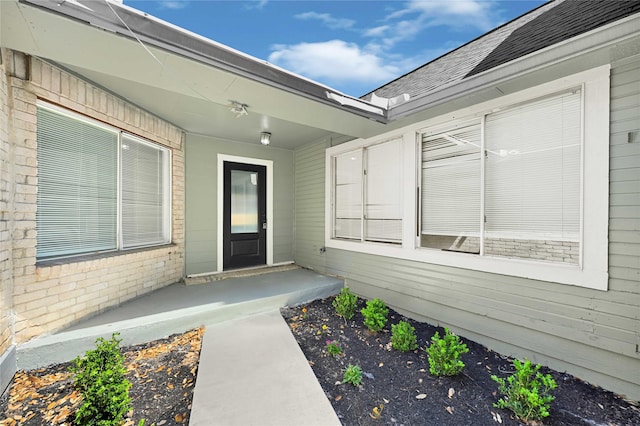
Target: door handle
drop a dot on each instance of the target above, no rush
(264, 225)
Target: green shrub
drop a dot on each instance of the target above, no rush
(345, 303)
(353, 375)
(100, 378)
(375, 315)
(403, 337)
(526, 391)
(444, 354)
(333, 348)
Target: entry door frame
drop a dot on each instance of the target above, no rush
(220, 205)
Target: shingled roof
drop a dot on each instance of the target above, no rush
(549, 24)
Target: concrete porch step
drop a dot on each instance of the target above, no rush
(178, 308)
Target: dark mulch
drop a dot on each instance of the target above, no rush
(393, 380)
(162, 375)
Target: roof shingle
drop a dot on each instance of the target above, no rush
(549, 24)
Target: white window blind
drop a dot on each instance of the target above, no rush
(144, 193)
(98, 189)
(77, 186)
(533, 170)
(348, 195)
(383, 206)
(451, 182)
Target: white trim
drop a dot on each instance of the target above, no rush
(593, 271)
(220, 204)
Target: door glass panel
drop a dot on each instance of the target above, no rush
(244, 202)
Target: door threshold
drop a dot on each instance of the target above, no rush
(240, 272)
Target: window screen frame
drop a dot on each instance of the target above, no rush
(167, 198)
(489, 154)
(363, 236)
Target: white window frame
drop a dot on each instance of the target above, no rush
(592, 272)
(168, 209)
(330, 184)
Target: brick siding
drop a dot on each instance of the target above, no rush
(545, 250)
(6, 199)
(49, 296)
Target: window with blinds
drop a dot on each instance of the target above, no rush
(529, 205)
(98, 189)
(348, 195)
(451, 189)
(367, 193)
(145, 191)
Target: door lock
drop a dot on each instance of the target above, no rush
(264, 225)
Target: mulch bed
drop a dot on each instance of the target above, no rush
(162, 375)
(394, 384)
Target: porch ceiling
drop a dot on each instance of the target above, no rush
(187, 92)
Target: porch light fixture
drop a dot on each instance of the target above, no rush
(265, 138)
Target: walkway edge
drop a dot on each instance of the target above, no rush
(252, 372)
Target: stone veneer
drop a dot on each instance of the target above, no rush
(49, 296)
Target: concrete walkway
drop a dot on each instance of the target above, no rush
(252, 372)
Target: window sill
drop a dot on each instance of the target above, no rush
(96, 256)
(542, 271)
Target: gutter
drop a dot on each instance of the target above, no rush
(593, 42)
(150, 31)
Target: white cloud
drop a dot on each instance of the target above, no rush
(174, 4)
(334, 61)
(327, 19)
(416, 15)
(259, 4)
(378, 58)
(377, 31)
(457, 13)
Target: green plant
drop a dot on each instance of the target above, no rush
(375, 315)
(100, 378)
(403, 337)
(345, 303)
(333, 347)
(444, 354)
(353, 375)
(526, 391)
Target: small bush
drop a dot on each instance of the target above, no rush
(444, 354)
(100, 378)
(403, 337)
(353, 375)
(333, 348)
(526, 391)
(375, 315)
(345, 303)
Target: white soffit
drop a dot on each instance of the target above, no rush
(179, 89)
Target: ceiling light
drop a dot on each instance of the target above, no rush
(238, 109)
(265, 138)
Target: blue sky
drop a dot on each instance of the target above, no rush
(351, 45)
